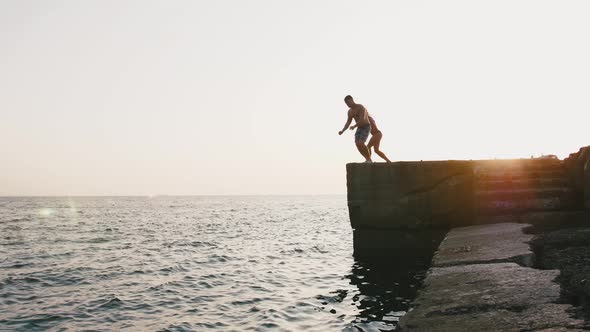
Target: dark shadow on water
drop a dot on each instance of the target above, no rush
(386, 287)
(390, 266)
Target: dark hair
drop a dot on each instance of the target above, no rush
(349, 97)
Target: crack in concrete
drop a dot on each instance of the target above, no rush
(436, 184)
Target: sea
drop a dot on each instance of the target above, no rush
(198, 263)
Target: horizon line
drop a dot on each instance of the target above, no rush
(164, 195)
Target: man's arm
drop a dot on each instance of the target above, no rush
(346, 125)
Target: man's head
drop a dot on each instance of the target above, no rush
(349, 101)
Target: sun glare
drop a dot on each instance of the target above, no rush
(46, 212)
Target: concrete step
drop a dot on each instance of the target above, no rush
(519, 194)
(507, 184)
(505, 242)
(520, 175)
(516, 206)
(490, 297)
(545, 219)
(476, 284)
(522, 164)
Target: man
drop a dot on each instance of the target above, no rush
(363, 127)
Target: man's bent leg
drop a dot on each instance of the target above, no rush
(377, 143)
(382, 155)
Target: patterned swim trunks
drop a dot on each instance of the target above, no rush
(362, 133)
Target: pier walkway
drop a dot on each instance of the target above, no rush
(482, 279)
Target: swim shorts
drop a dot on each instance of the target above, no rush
(362, 133)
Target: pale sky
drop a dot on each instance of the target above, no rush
(246, 97)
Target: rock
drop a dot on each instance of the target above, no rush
(587, 184)
(555, 219)
(575, 165)
(564, 238)
(569, 251)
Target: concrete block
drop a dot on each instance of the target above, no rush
(490, 297)
(391, 242)
(523, 184)
(485, 244)
(512, 206)
(410, 194)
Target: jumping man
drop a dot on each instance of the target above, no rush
(360, 115)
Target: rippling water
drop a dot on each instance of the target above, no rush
(193, 264)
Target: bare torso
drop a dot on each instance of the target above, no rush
(360, 115)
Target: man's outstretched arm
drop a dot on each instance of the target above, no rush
(346, 125)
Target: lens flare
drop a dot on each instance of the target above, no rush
(46, 212)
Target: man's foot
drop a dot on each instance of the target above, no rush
(368, 161)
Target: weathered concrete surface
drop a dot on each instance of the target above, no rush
(512, 204)
(410, 194)
(519, 186)
(475, 286)
(394, 242)
(540, 219)
(485, 243)
(490, 297)
(419, 195)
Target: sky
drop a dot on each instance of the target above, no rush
(246, 97)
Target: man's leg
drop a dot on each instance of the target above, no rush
(363, 150)
(377, 143)
(371, 144)
(360, 137)
(382, 155)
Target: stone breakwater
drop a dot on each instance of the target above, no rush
(403, 205)
(482, 279)
(484, 275)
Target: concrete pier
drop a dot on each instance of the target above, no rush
(408, 200)
(482, 275)
(482, 280)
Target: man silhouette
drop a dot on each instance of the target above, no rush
(363, 127)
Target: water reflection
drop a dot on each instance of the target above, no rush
(386, 286)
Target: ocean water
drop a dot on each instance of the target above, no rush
(193, 264)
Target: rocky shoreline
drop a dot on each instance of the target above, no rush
(567, 250)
